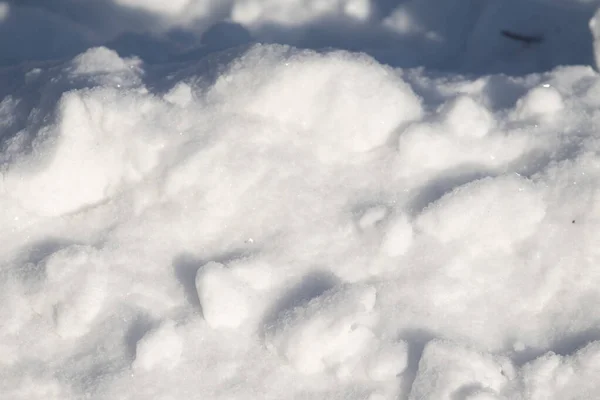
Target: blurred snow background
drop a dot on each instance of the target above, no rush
(324, 199)
(453, 35)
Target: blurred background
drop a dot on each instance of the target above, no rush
(462, 36)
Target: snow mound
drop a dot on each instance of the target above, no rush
(462, 135)
(479, 215)
(159, 348)
(398, 236)
(388, 362)
(328, 332)
(296, 12)
(286, 86)
(224, 298)
(289, 223)
(89, 154)
(540, 102)
(566, 377)
(466, 118)
(447, 370)
(100, 60)
(74, 290)
(157, 6)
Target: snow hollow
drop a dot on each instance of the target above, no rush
(337, 199)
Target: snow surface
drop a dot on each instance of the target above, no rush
(334, 199)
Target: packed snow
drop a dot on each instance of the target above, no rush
(333, 199)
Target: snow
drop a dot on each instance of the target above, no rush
(328, 333)
(159, 348)
(224, 299)
(447, 370)
(540, 102)
(338, 199)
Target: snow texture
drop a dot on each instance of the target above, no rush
(332, 199)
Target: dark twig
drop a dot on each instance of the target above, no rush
(527, 39)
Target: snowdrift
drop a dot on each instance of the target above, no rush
(269, 221)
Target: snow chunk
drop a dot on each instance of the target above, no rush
(544, 101)
(360, 10)
(467, 118)
(35, 387)
(398, 236)
(171, 7)
(297, 12)
(388, 362)
(563, 377)
(161, 347)
(255, 272)
(74, 291)
(223, 297)
(4, 10)
(447, 370)
(488, 214)
(286, 86)
(100, 60)
(326, 333)
(372, 217)
(595, 28)
(180, 94)
(446, 146)
(89, 154)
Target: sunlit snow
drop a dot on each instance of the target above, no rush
(301, 199)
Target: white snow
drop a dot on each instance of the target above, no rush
(224, 300)
(159, 348)
(398, 236)
(448, 370)
(332, 199)
(540, 102)
(328, 333)
(492, 204)
(158, 6)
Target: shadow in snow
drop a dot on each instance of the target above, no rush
(417, 339)
(141, 325)
(566, 346)
(468, 391)
(30, 263)
(445, 183)
(186, 266)
(309, 287)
